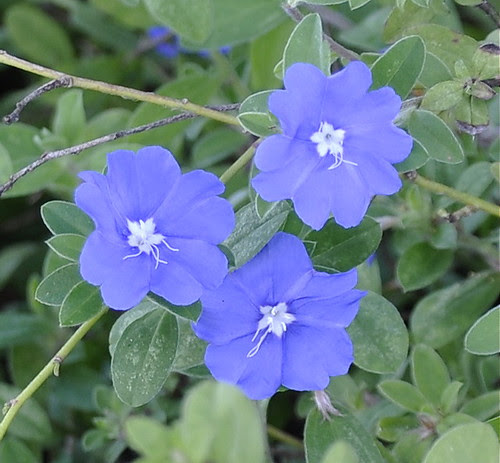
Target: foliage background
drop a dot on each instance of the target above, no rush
(418, 389)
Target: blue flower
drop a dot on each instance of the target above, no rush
(276, 321)
(156, 229)
(170, 46)
(337, 147)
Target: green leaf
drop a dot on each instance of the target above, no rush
(325, 2)
(485, 61)
(64, 217)
(265, 52)
(216, 146)
(17, 328)
(11, 257)
(464, 444)
(449, 397)
(252, 232)
(15, 450)
(191, 19)
(320, 433)
(189, 312)
(149, 438)
(436, 137)
(444, 315)
(306, 45)
(54, 287)
(400, 66)
(472, 115)
(143, 357)
(421, 264)
(146, 306)
(443, 96)
(67, 245)
(191, 349)
(340, 451)
(338, 249)
(355, 4)
(80, 304)
(239, 21)
(393, 428)
(6, 168)
(429, 372)
(379, 336)
(69, 119)
(484, 406)
(254, 115)
(38, 36)
(483, 338)
(446, 44)
(32, 423)
(220, 424)
(434, 71)
(403, 394)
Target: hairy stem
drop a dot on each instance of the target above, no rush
(118, 90)
(52, 367)
(98, 141)
(459, 196)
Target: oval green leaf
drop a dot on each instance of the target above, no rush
(404, 394)
(320, 433)
(65, 217)
(465, 444)
(143, 357)
(436, 137)
(67, 245)
(444, 315)
(483, 338)
(379, 336)
(254, 115)
(80, 304)
(400, 66)
(421, 264)
(54, 287)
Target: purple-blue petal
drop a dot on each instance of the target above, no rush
(100, 257)
(297, 106)
(324, 285)
(227, 314)
(128, 283)
(211, 220)
(261, 377)
(274, 152)
(174, 283)
(380, 176)
(328, 353)
(204, 261)
(283, 182)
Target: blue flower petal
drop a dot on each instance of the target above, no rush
(351, 197)
(100, 257)
(325, 285)
(204, 261)
(151, 174)
(222, 320)
(192, 189)
(298, 107)
(380, 177)
(262, 375)
(128, 283)
(312, 201)
(387, 142)
(283, 183)
(211, 220)
(329, 353)
(174, 283)
(274, 152)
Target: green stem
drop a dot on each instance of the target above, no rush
(278, 434)
(51, 368)
(241, 162)
(459, 196)
(118, 90)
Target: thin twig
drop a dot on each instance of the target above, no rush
(340, 50)
(454, 217)
(99, 141)
(52, 85)
(331, 17)
(490, 10)
(118, 90)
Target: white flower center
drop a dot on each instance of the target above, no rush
(274, 320)
(330, 141)
(143, 236)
